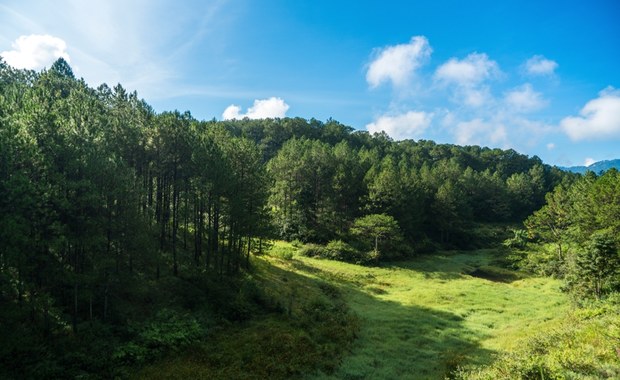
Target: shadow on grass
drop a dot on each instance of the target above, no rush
(495, 274)
(315, 336)
(398, 341)
(298, 325)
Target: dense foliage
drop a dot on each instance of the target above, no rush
(98, 194)
(577, 233)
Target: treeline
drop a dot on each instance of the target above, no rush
(576, 235)
(326, 175)
(95, 186)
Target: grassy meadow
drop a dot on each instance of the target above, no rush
(422, 318)
(426, 318)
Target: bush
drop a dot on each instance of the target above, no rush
(340, 250)
(167, 331)
(297, 243)
(312, 250)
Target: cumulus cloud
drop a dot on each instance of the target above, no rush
(598, 119)
(480, 132)
(539, 65)
(550, 146)
(262, 109)
(405, 126)
(398, 63)
(469, 75)
(470, 71)
(524, 99)
(35, 51)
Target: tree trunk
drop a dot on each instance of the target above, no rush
(175, 222)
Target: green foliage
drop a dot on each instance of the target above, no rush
(595, 269)
(379, 233)
(337, 250)
(340, 250)
(541, 259)
(313, 250)
(518, 241)
(580, 221)
(166, 331)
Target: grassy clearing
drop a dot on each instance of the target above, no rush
(419, 319)
(422, 318)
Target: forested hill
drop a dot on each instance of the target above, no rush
(85, 164)
(597, 167)
(99, 193)
(97, 150)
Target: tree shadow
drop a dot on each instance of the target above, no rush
(398, 340)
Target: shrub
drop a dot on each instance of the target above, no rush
(312, 250)
(340, 250)
(167, 331)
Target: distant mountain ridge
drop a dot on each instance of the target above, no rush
(595, 167)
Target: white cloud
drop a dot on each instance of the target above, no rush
(405, 126)
(589, 161)
(476, 97)
(539, 65)
(550, 146)
(470, 71)
(397, 63)
(599, 118)
(524, 99)
(35, 51)
(262, 109)
(469, 75)
(480, 132)
(142, 44)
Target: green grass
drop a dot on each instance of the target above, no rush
(418, 319)
(304, 325)
(423, 318)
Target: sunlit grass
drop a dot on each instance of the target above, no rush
(418, 319)
(422, 318)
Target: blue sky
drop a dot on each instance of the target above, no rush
(541, 77)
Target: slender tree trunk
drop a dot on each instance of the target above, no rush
(197, 232)
(175, 222)
(75, 289)
(105, 297)
(186, 214)
(210, 227)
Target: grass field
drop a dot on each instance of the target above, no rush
(422, 318)
(418, 319)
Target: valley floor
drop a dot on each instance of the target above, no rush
(422, 318)
(416, 319)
